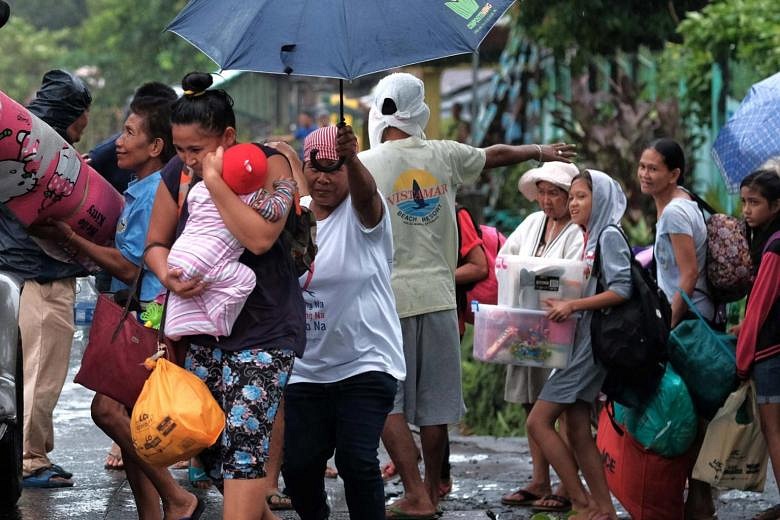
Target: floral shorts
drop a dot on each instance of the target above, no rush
(248, 384)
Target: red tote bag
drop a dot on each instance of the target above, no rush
(113, 362)
(649, 486)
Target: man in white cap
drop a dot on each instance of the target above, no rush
(419, 178)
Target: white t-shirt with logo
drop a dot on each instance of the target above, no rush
(351, 323)
(419, 178)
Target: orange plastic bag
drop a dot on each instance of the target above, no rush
(175, 417)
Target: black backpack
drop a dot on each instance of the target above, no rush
(630, 339)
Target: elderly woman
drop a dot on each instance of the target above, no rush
(548, 233)
(343, 387)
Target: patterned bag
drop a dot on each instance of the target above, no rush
(300, 232)
(728, 255)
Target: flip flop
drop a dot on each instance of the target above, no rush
(198, 477)
(397, 513)
(552, 516)
(59, 470)
(524, 498)
(564, 504)
(278, 501)
(199, 509)
(46, 478)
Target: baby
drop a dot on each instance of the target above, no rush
(206, 249)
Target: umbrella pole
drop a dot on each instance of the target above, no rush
(342, 121)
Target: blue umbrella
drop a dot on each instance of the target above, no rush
(343, 39)
(751, 135)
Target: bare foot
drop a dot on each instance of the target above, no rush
(114, 458)
(277, 500)
(389, 471)
(192, 507)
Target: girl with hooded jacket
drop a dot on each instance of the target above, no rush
(596, 203)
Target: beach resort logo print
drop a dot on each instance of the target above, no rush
(416, 197)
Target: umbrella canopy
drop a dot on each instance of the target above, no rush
(751, 135)
(342, 39)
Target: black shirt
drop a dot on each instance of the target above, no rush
(273, 315)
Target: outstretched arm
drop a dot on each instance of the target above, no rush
(506, 155)
(107, 257)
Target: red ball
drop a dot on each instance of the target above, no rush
(244, 168)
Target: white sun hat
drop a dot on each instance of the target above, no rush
(556, 173)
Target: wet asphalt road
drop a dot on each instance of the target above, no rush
(483, 468)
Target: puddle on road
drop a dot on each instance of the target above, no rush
(467, 459)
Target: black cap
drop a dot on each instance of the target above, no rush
(61, 100)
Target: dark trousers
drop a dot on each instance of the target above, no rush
(347, 416)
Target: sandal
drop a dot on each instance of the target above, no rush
(59, 470)
(114, 459)
(46, 478)
(399, 514)
(562, 504)
(521, 497)
(278, 501)
(198, 477)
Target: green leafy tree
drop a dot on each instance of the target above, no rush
(121, 45)
(127, 44)
(589, 28)
(26, 53)
(742, 36)
(48, 14)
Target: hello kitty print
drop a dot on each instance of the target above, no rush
(41, 175)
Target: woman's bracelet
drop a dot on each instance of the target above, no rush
(539, 149)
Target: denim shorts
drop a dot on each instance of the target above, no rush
(766, 374)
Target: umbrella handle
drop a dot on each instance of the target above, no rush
(321, 167)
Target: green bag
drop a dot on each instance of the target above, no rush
(706, 361)
(667, 423)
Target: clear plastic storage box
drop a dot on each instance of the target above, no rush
(521, 337)
(525, 282)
